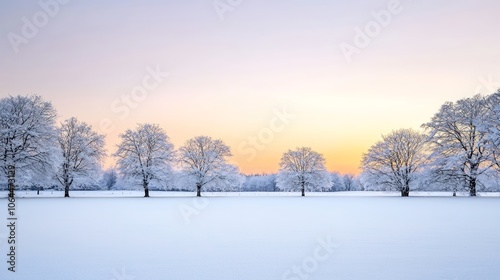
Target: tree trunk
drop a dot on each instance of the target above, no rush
(145, 184)
(303, 192)
(405, 192)
(67, 184)
(303, 188)
(472, 187)
(454, 193)
(198, 190)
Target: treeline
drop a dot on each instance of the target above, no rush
(457, 150)
(109, 180)
(36, 153)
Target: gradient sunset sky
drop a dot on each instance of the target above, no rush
(228, 74)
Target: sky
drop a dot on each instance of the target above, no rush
(263, 76)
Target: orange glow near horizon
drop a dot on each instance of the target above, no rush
(344, 161)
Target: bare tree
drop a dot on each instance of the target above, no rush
(204, 164)
(144, 155)
(303, 169)
(395, 161)
(27, 136)
(82, 151)
(461, 149)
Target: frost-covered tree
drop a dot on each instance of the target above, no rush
(109, 178)
(395, 161)
(27, 138)
(260, 183)
(491, 126)
(82, 152)
(145, 155)
(303, 170)
(461, 148)
(337, 182)
(204, 165)
(349, 182)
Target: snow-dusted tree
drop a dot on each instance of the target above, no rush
(303, 170)
(349, 182)
(145, 155)
(461, 149)
(82, 152)
(109, 178)
(437, 178)
(337, 182)
(27, 137)
(491, 126)
(204, 165)
(394, 162)
(260, 183)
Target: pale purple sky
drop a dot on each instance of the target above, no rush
(228, 77)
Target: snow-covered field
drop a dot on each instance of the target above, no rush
(128, 193)
(243, 236)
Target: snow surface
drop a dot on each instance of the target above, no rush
(376, 237)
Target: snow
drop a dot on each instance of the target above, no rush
(245, 236)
